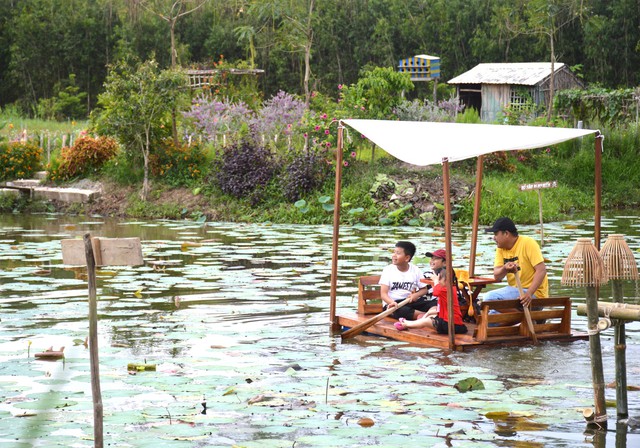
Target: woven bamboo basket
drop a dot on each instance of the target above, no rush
(584, 266)
(618, 259)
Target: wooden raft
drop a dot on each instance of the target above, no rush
(506, 327)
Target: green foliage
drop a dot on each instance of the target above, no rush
(121, 170)
(598, 105)
(86, 157)
(305, 173)
(468, 115)
(138, 208)
(19, 160)
(376, 94)
(177, 166)
(519, 113)
(9, 202)
(136, 107)
(227, 86)
(69, 103)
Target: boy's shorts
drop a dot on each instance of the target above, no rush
(423, 305)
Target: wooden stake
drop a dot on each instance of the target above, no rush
(93, 346)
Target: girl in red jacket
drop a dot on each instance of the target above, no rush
(437, 317)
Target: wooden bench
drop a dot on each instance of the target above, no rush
(369, 301)
(508, 322)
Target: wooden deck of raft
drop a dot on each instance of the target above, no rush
(506, 327)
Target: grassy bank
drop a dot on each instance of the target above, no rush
(384, 191)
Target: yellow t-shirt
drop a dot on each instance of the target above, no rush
(527, 254)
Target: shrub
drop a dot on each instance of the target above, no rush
(242, 168)
(177, 166)
(86, 156)
(306, 172)
(19, 159)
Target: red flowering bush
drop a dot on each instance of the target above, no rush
(85, 157)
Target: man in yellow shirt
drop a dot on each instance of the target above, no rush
(516, 252)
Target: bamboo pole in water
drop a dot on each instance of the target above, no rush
(621, 265)
(584, 267)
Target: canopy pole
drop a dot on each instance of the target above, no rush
(598, 193)
(336, 225)
(447, 231)
(476, 216)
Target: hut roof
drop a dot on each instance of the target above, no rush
(522, 73)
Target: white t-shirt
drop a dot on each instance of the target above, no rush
(401, 284)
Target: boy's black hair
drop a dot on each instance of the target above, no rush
(408, 247)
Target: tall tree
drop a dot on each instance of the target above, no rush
(136, 103)
(546, 18)
(171, 12)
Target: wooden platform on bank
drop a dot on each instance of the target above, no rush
(499, 323)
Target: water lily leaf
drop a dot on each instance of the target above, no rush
(324, 199)
(469, 384)
(300, 204)
(328, 207)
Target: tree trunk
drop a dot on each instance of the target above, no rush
(145, 154)
(174, 57)
(552, 85)
(307, 56)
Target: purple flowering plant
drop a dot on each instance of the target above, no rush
(213, 118)
(280, 116)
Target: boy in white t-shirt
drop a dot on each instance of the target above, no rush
(401, 280)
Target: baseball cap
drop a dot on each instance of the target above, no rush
(502, 224)
(440, 253)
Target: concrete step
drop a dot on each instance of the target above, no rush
(33, 188)
(10, 192)
(23, 183)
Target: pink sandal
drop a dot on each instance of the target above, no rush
(400, 324)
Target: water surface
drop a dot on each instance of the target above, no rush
(235, 318)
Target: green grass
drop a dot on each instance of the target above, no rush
(14, 126)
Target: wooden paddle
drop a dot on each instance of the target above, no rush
(354, 331)
(527, 313)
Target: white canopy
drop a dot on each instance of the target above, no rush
(427, 143)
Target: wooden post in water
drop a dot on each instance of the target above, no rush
(476, 216)
(584, 267)
(447, 243)
(99, 252)
(537, 186)
(336, 227)
(96, 393)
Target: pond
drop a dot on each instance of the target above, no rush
(235, 319)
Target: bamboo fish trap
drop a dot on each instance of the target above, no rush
(584, 266)
(618, 259)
